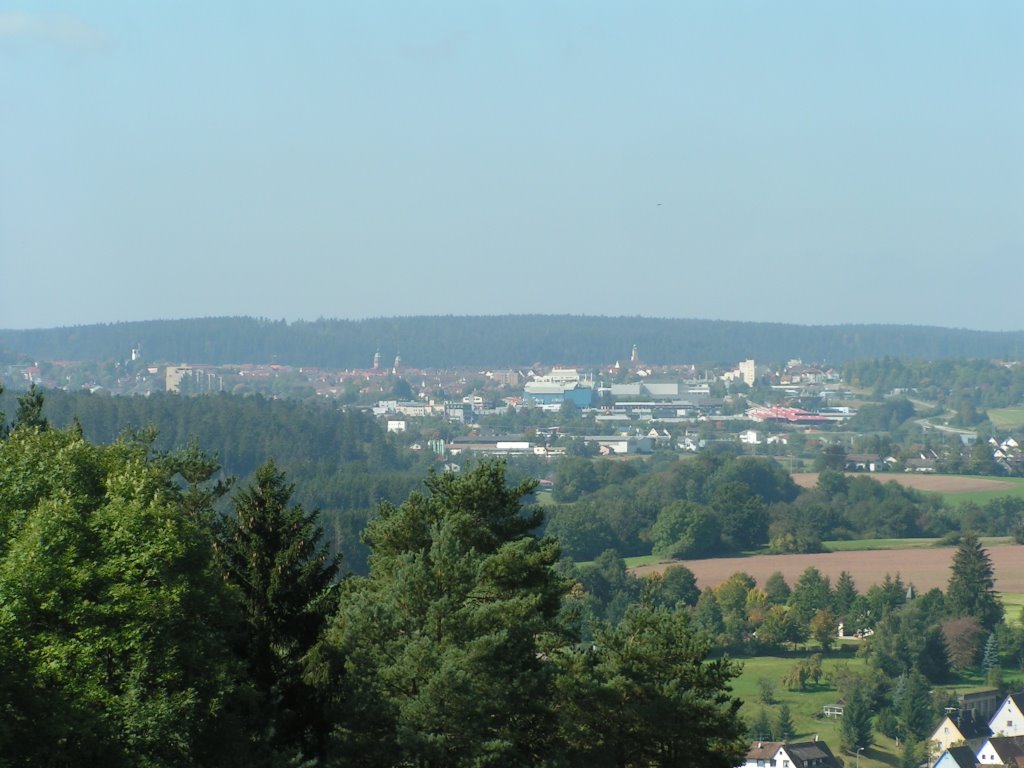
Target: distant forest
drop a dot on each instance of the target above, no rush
(341, 461)
(495, 341)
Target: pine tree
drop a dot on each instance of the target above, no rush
(30, 410)
(913, 754)
(761, 727)
(440, 655)
(622, 703)
(990, 663)
(844, 595)
(855, 728)
(971, 590)
(991, 656)
(273, 554)
(784, 727)
(915, 707)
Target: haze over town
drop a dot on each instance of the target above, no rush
(800, 163)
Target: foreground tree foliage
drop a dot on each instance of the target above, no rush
(113, 620)
(437, 657)
(138, 628)
(458, 649)
(274, 555)
(643, 695)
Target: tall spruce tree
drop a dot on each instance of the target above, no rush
(855, 729)
(761, 728)
(274, 555)
(30, 410)
(971, 590)
(784, 727)
(991, 666)
(914, 707)
(438, 656)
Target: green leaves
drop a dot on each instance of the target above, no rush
(645, 694)
(109, 610)
(437, 656)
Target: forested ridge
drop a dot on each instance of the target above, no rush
(450, 341)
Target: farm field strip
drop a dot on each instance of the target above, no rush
(944, 484)
(925, 568)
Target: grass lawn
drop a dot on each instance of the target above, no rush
(864, 545)
(631, 562)
(980, 497)
(544, 498)
(860, 545)
(1006, 418)
(1012, 604)
(804, 705)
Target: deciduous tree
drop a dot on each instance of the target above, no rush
(113, 620)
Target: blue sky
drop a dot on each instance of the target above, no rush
(805, 162)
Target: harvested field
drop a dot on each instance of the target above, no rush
(920, 482)
(925, 568)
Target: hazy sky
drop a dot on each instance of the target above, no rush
(808, 162)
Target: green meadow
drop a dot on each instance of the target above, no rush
(1006, 418)
(806, 706)
(980, 497)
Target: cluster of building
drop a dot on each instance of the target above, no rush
(983, 729)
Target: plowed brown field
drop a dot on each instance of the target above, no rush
(924, 568)
(922, 482)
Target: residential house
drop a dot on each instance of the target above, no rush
(1008, 720)
(620, 444)
(1001, 750)
(959, 727)
(779, 754)
(750, 437)
(863, 462)
(956, 757)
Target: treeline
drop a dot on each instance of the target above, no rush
(342, 461)
(718, 503)
(509, 340)
(140, 628)
(968, 386)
